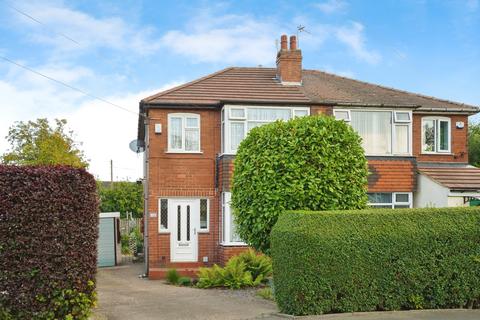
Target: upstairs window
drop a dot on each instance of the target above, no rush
(436, 135)
(237, 121)
(383, 132)
(183, 132)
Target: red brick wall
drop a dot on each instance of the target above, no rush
(183, 175)
(458, 144)
(391, 175)
(315, 110)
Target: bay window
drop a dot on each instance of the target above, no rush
(435, 135)
(183, 132)
(391, 200)
(229, 232)
(383, 132)
(237, 121)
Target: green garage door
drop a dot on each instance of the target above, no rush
(106, 243)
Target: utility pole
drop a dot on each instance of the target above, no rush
(111, 174)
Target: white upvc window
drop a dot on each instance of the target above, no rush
(204, 215)
(237, 121)
(383, 132)
(342, 115)
(184, 132)
(229, 233)
(436, 135)
(391, 200)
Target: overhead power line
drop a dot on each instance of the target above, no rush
(43, 24)
(68, 85)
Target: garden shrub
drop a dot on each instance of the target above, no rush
(376, 259)
(48, 242)
(172, 276)
(185, 281)
(258, 265)
(314, 163)
(245, 270)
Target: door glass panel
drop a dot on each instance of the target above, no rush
(179, 226)
(203, 214)
(188, 223)
(164, 214)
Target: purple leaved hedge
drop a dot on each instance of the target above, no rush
(48, 242)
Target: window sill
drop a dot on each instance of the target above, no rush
(437, 153)
(184, 152)
(234, 244)
(164, 231)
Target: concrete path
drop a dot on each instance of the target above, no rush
(123, 295)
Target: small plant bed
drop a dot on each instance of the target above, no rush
(173, 277)
(248, 269)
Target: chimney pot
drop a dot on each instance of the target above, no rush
(283, 42)
(293, 43)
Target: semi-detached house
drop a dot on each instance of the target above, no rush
(416, 148)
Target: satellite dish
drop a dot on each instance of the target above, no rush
(137, 146)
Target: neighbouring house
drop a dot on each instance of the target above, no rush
(416, 148)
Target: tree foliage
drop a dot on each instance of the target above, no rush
(314, 163)
(474, 144)
(37, 143)
(122, 197)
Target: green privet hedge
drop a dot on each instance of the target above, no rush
(48, 241)
(377, 259)
(314, 163)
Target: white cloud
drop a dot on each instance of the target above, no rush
(88, 32)
(228, 39)
(354, 38)
(332, 6)
(103, 130)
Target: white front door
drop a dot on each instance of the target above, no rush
(185, 217)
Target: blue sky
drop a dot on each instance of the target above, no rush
(126, 50)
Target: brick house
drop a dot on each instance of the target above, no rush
(416, 148)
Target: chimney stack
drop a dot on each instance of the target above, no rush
(289, 62)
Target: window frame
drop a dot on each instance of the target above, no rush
(395, 118)
(226, 221)
(227, 120)
(206, 230)
(184, 128)
(349, 115)
(231, 117)
(394, 200)
(437, 120)
(394, 124)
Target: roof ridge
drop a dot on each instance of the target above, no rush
(187, 84)
(393, 89)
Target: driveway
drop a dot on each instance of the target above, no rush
(123, 295)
